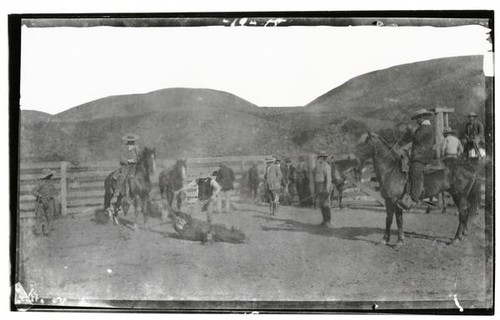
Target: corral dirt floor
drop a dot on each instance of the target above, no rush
(286, 258)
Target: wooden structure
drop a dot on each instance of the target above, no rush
(441, 122)
(81, 186)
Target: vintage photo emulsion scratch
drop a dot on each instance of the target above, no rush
(270, 162)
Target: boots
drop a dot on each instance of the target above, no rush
(326, 217)
(406, 202)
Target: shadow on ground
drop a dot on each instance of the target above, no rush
(344, 233)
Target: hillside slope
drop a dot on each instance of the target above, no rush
(183, 122)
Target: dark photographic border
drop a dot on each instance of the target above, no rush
(356, 18)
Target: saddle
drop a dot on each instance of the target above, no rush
(434, 166)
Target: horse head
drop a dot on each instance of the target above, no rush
(181, 167)
(149, 159)
(365, 148)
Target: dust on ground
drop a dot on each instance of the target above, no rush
(285, 258)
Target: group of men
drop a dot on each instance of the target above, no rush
(294, 181)
(423, 151)
(285, 181)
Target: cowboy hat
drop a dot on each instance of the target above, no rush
(421, 113)
(130, 137)
(448, 130)
(322, 154)
(472, 114)
(46, 173)
(270, 159)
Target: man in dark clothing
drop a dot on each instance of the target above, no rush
(46, 203)
(422, 153)
(473, 135)
(323, 187)
(286, 170)
(301, 178)
(253, 180)
(225, 177)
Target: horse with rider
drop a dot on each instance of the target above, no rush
(131, 182)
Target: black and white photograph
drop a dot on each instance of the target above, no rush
(281, 162)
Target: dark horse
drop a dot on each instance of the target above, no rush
(172, 180)
(139, 185)
(459, 179)
(343, 172)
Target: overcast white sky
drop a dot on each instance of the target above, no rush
(65, 67)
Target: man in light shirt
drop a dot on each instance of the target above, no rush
(451, 146)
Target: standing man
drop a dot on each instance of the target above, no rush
(272, 180)
(285, 170)
(302, 182)
(422, 153)
(323, 186)
(253, 180)
(225, 177)
(46, 203)
(473, 135)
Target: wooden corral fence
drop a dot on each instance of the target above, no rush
(81, 186)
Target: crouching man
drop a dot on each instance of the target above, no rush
(208, 191)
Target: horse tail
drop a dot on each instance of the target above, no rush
(474, 197)
(108, 191)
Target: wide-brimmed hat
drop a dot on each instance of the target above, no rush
(288, 160)
(46, 173)
(421, 113)
(448, 130)
(270, 159)
(322, 154)
(130, 137)
(472, 114)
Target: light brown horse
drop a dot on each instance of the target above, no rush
(461, 180)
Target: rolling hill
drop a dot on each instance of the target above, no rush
(182, 122)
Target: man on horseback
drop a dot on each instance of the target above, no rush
(422, 153)
(473, 136)
(128, 162)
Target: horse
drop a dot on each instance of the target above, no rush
(171, 180)
(139, 185)
(460, 179)
(343, 171)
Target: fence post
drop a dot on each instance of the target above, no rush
(64, 203)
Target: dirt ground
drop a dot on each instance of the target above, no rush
(286, 258)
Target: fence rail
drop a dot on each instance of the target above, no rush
(82, 185)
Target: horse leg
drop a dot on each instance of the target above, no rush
(444, 205)
(145, 211)
(388, 221)
(339, 198)
(473, 201)
(170, 197)
(116, 207)
(136, 210)
(399, 222)
(462, 217)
